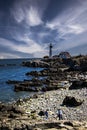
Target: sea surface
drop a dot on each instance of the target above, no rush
(11, 69)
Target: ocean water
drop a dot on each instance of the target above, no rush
(11, 69)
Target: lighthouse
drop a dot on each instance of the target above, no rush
(50, 49)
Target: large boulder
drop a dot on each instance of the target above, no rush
(78, 85)
(41, 113)
(72, 101)
(33, 85)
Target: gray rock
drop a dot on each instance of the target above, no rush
(72, 101)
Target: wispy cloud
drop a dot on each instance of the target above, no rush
(33, 17)
(30, 12)
(18, 14)
(68, 23)
(71, 26)
(30, 48)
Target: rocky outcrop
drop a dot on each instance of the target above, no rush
(33, 73)
(13, 82)
(33, 109)
(75, 63)
(28, 113)
(44, 72)
(55, 125)
(36, 63)
(20, 87)
(10, 111)
(83, 64)
(62, 125)
(9, 108)
(49, 81)
(72, 101)
(32, 85)
(80, 63)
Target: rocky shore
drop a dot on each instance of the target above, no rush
(61, 85)
(25, 113)
(57, 73)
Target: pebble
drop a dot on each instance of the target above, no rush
(52, 100)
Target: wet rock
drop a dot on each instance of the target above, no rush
(33, 85)
(20, 87)
(33, 73)
(72, 101)
(44, 72)
(36, 63)
(35, 82)
(12, 82)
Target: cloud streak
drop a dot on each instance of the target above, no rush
(28, 11)
(71, 26)
(30, 48)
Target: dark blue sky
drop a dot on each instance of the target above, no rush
(28, 26)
